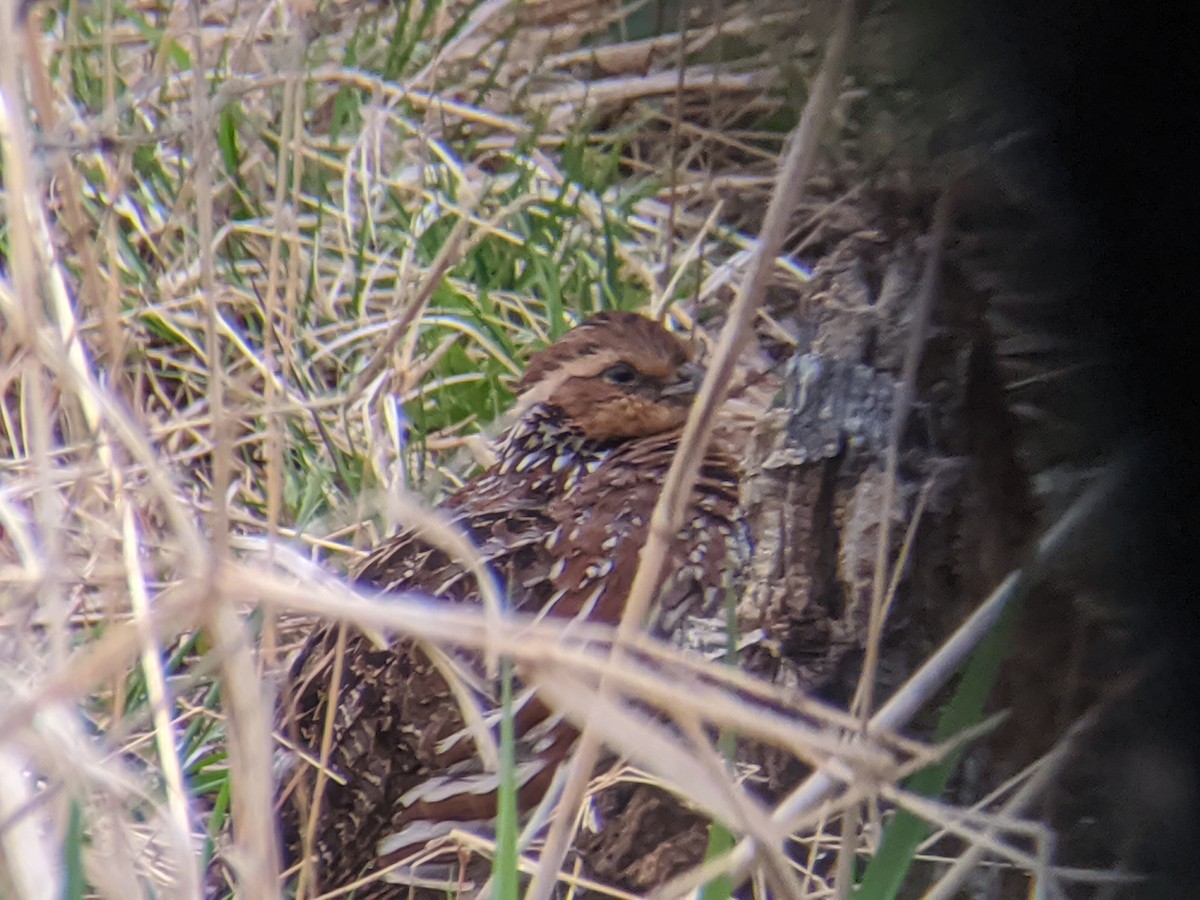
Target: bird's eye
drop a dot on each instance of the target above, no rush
(621, 373)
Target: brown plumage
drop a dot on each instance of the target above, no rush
(560, 518)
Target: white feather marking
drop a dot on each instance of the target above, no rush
(433, 790)
(414, 834)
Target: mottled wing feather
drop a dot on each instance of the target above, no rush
(600, 523)
(563, 539)
(500, 515)
(393, 707)
(603, 524)
(378, 692)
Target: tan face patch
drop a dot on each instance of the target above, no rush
(570, 375)
(638, 340)
(606, 412)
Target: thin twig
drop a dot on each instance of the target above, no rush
(1047, 768)
(918, 329)
(864, 699)
(447, 256)
(940, 667)
(156, 687)
(677, 486)
(250, 744)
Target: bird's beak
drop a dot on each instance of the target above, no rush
(687, 384)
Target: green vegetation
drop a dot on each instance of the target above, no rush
(406, 200)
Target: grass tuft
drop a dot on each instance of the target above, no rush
(197, 428)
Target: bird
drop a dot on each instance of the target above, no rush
(560, 518)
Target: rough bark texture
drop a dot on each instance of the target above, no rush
(1014, 405)
(813, 496)
(986, 427)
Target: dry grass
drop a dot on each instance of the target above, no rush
(267, 273)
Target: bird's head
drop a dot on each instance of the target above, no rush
(618, 375)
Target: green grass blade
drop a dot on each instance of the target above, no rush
(720, 842)
(216, 821)
(74, 887)
(504, 868)
(886, 873)
(720, 839)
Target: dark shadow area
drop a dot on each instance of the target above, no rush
(1103, 83)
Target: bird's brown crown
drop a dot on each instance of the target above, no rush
(616, 376)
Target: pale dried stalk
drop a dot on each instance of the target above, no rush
(447, 256)
(26, 230)
(246, 702)
(659, 302)
(918, 329)
(1046, 769)
(307, 864)
(864, 699)
(629, 87)
(654, 748)
(938, 669)
(30, 862)
(979, 829)
(157, 692)
(677, 486)
(550, 648)
(19, 187)
(101, 660)
(279, 328)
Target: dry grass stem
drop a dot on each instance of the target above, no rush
(864, 698)
(549, 650)
(799, 805)
(906, 390)
(269, 274)
(668, 512)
